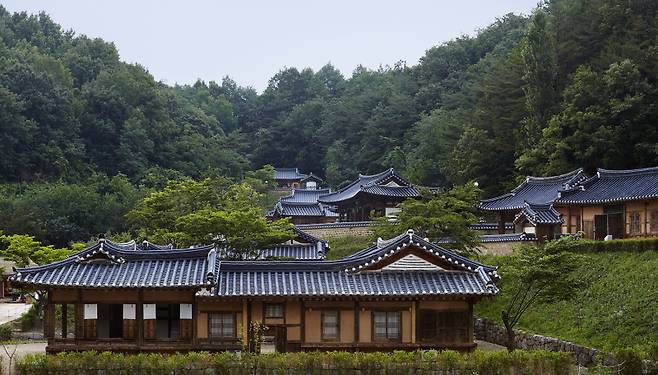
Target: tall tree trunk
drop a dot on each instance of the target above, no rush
(510, 343)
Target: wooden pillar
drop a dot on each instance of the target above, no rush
(49, 318)
(248, 337)
(79, 318)
(569, 220)
(501, 223)
(194, 322)
(64, 320)
(413, 322)
(646, 218)
(302, 319)
(471, 322)
(139, 315)
(357, 318)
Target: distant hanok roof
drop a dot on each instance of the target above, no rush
(611, 186)
(288, 174)
(538, 190)
(303, 202)
(302, 209)
(305, 195)
(538, 214)
(312, 177)
(387, 183)
(406, 265)
(106, 265)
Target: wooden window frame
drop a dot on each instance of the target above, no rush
(234, 333)
(283, 311)
(386, 339)
(438, 326)
(653, 224)
(635, 226)
(322, 335)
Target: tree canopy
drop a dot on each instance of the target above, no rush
(574, 84)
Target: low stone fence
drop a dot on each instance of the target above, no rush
(342, 229)
(494, 333)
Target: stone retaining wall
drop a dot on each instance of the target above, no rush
(491, 332)
(332, 230)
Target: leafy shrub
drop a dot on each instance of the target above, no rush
(398, 362)
(579, 245)
(29, 318)
(5, 332)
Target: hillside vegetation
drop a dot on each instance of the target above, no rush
(617, 309)
(573, 84)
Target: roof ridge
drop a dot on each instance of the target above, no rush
(555, 177)
(625, 172)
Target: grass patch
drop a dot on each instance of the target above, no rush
(617, 309)
(343, 246)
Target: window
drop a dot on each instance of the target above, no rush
(653, 221)
(221, 325)
(386, 325)
(443, 326)
(273, 310)
(167, 321)
(330, 325)
(109, 323)
(635, 222)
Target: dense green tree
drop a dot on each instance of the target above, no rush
(444, 215)
(190, 212)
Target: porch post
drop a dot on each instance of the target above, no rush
(49, 318)
(501, 223)
(139, 314)
(357, 318)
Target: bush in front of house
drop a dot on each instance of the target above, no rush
(398, 362)
(579, 245)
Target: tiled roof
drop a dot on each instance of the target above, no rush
(313, 177)
(288, 174)
(299, 252)
(105, 265)
(341, 224)
(306, 237)
(320, 283)
(539, 214)
(144, 245)
(610, 186)
(490, 226)
(314, 251)
(508, 237)
(305, 195)
(303, 209)
(380, 184)
(352, 275)
(538, 190)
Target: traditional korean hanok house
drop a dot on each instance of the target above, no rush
(311, 181)
(379, 194)
(533, 190)
(619, 203)
(542, 220)
(291, 178)
(302, 207)
(405, 293)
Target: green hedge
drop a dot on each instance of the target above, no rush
(583, 246)
(419, 362)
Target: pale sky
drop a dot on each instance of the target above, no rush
(249, 40)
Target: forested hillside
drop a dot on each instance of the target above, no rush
(572, 85)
